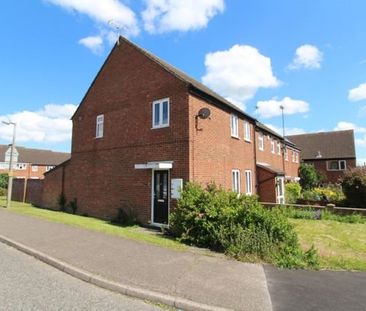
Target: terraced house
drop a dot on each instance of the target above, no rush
(144, 128)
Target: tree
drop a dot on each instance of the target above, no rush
(4, 181)
(309, 177)
(354, 187)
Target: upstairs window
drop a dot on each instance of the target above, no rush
(247, 134)
(337, 165)
(272, 146)
(236, 180)
(161, 111)
(286, 154)
(293, 156)
(49, 167)
(99, 126)
(248, 182)
(297, 157)
(261, 141)
(21, 166)
(234, 126)
(34, 168)
(279, 148)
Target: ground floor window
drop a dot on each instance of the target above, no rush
(236, 180)
(248, 182)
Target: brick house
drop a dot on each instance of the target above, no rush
(30, 163)
(331, 153)
(144, 128)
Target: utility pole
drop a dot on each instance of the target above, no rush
(10, 181)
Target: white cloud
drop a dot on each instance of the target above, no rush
(288, 130)
(361, 142)
(343, 125)
(179, 15)
(307, 57)
(103, 12)
(93, 43)
(237, 73)
(50, 124)
(358, 93)
(272, 108)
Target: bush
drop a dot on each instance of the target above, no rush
(354, 187)
(124, 218)
(238, 226)
(309, 177)
(3, 192)
(4, 181)
(293, 192)
(331, 194)
(61, 201)
(73, 205)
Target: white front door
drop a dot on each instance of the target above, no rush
(280, 190)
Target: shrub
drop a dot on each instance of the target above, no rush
(61, 201)
(73, 205)
(293, 192)
(354, 187)
(238, 226)
(309, 178)
(330, 194)
(125, 218)
(3, 192)
(311, 195)
(4, 181)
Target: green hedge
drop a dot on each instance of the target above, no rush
(238, 226)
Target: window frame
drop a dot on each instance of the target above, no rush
(286, 154)
(247, 132)
(261, 142)
(160, 102)
(278, 148)
(273, 149)
(234, 120)
(99, 126)
(235, 176)
(339, 165)
(248, 185)
(34, 168)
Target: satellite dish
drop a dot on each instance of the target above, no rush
(204, 113)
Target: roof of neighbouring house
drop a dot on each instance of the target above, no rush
(196, 85)
(36, 156)
(325, 145)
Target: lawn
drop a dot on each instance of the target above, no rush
(133, 232)
(340, 245)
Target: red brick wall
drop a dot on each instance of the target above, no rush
(213, 152)
(52, 188)
(331, 176)
(275, 160)
(101, 173)
(266, 185)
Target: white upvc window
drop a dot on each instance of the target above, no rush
(248, 182)
(297, 157)
(286, 154)
(261, 142)
(34, 168)
(280, 190)
(279, 148)
(247, 132)
(293, 156)
(272, 146)
(337, 165)
(236, 180)
(99, 128)
(161, 113)
(234, 123)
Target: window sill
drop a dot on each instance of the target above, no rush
(247, 140)
(159, 127)
(236, 137)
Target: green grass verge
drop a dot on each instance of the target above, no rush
(134, 232)
(340, 245)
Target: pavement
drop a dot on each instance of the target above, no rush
(183, 279)
(29, 284)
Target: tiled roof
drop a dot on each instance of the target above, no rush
(36, 156)
(326, 145)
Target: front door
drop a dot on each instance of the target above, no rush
(280, 190)
(161, 197)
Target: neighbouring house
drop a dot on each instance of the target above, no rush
(144, 128)
(30, 163)
(331, 153)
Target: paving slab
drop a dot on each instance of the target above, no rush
(188, 275)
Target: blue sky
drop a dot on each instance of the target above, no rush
(309, 56)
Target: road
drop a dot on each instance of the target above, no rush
(28, 284)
